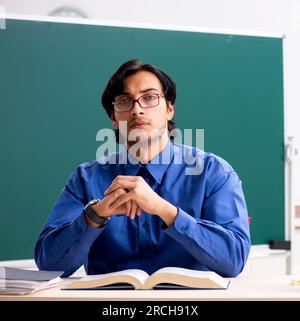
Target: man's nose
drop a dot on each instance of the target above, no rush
(137, 109)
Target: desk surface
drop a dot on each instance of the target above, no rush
(241, 288)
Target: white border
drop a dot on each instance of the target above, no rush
(116, 23)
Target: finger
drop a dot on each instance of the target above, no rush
(120, 184)
(112, 197)
(127, 177)
(124, 177)
(121, 200)
(139, 211)
(126, 185)
(128, 208)
(133, 209)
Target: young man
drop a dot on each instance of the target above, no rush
(155, 210)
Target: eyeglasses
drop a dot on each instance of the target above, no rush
(146, 101)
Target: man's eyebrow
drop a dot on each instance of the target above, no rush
(141, 91)
(148, 89)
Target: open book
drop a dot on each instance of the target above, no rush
(165, 278)
(15, 281)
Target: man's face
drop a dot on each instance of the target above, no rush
(147, 123)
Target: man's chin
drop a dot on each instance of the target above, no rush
(141, 139)
(141, 136)
(138, 135)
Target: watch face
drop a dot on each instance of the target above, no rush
(92, 202)
(93, 216)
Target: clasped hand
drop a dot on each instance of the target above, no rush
(130, 195)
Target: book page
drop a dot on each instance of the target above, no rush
(183, 271)
(21, 287)
(4, 284)
(187, 278)
(9, 273)
(135, 277)
(25, 284)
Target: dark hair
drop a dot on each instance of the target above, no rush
(115, 87)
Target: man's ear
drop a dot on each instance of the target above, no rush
(170, 111)
(114, 123)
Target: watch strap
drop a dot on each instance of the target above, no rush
(90, 213)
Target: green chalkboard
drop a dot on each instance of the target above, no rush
(52, 78)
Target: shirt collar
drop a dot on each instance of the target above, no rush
(156, 167)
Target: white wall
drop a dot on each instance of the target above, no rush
(255, 15)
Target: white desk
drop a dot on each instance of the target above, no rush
(250, 285)
(240, 288)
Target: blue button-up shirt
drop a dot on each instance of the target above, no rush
(210, 232)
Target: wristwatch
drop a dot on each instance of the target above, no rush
(91, 214)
